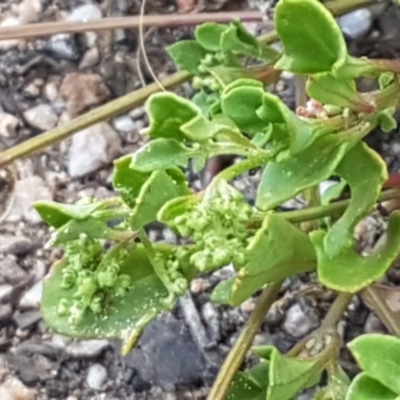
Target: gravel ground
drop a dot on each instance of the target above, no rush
(44, 83)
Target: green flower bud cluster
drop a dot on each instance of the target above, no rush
(205, 80)
(93, 280)
(218, 226)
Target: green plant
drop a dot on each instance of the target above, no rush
(115, 293)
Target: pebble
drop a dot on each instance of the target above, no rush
(248, 305)
(86, 12)
(124, 124)
(29, 11)
(51, 91)
(31, 298)
(26, 192)
(373, 324)
(211, 317)
(25, 320)
(17, 245)
(81, 91)
(356, 23)
(64, 46)
(10, 43)
(90, 58)
(96, 376)
(14, 389)
(12, 273)
(8, 125)
(42, 117)
(297, 323)
(93, 148)
(5, 311)
(86, 348)
(5, 292)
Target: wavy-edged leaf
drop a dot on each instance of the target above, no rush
(176, 207)
(128, 182)
(167, 113)
(365, 172)
(57, 215)
(187, 55)
(131, 312)
(161, 187)
(309, 47)
(159, 154)
(379, 357)
(282, 181)
(350, 271)
(363, 387)
(209, 35)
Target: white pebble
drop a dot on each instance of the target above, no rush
(124, 123)
(42, 117)
(96, 376)
(8, 125)
(356, 23)
(32, 297)
(297, 323)
(84, 13)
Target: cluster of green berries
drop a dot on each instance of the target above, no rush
(95, 281)
(218, 227)
(205, 80)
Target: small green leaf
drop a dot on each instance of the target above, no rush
(282, 181)
(167, 113)
(309, 47)
(187, 55)
(128, 182)
(365, 172)
(160, 154)
(141, 303)
(248, 385)
(328, 89)
(161, 187)
(57, 215)
(379, 357)
(288, 375)
(364, 387)
(176, 207)
(350, 271)
(209, 34)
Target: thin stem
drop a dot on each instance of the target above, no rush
(235, 357)
(50, 28)
(336, 311)
(102, 113)
(379, 306)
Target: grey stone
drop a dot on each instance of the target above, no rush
(356, 23)
(297, 322)
(6, 311)
(42, 117)
(18, 245)
(5, 292)
(373, 324)
(31, 298)
(64, 46)
(96, 376)
(124, 123)
(11, 272)
(86, 12)
(26, 319)
(86, 348)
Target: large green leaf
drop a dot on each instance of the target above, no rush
(288, 375)
(167, 112)
(128, 182)
(208, 35)
(158, 154)
(161, 187)
(282, 181)
(311, 38)
(187, 55)
(278, 250)
(364, 387)
(365, 172)
(379, 357)
(350, 271)
(131, 312)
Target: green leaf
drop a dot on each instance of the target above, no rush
(350, 271)
(282, 181)
(309, 47)
(187, 55)
(278, 250)
(209, 34)
(160, 154)
(248, 385)
(379, 357)
(240, 103)
(128, 182)
(161, 187)
(365, 172)
(333, 192)
(167, 113)
(57, 215)
(124, 314)
(288, 375)
(364, 387)
(328, 89)
(176, 207)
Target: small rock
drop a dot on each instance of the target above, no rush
(26, 192)
(13, 389)
(10, 43)
(81, 91)
(27, 319)
(84, 13)
(356, 23)
(51, 91)
(12, 273)
(8, 125)
(96, 376)
(297, 323)
(86, 348)
(211, 317)
(5, 292)
(18, 245)
(93, 148)
(124, 124)
(248, 305)
(42, 117)
(373, 324)
(64, 46)
(5, 312)
(31, 90)
(90, 58)
(31, 298)
(29, 11)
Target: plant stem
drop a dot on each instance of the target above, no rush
(379, 306)
(336, 311)
(50, 28)
(339, 7)
(235, 357)
(102, 113)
